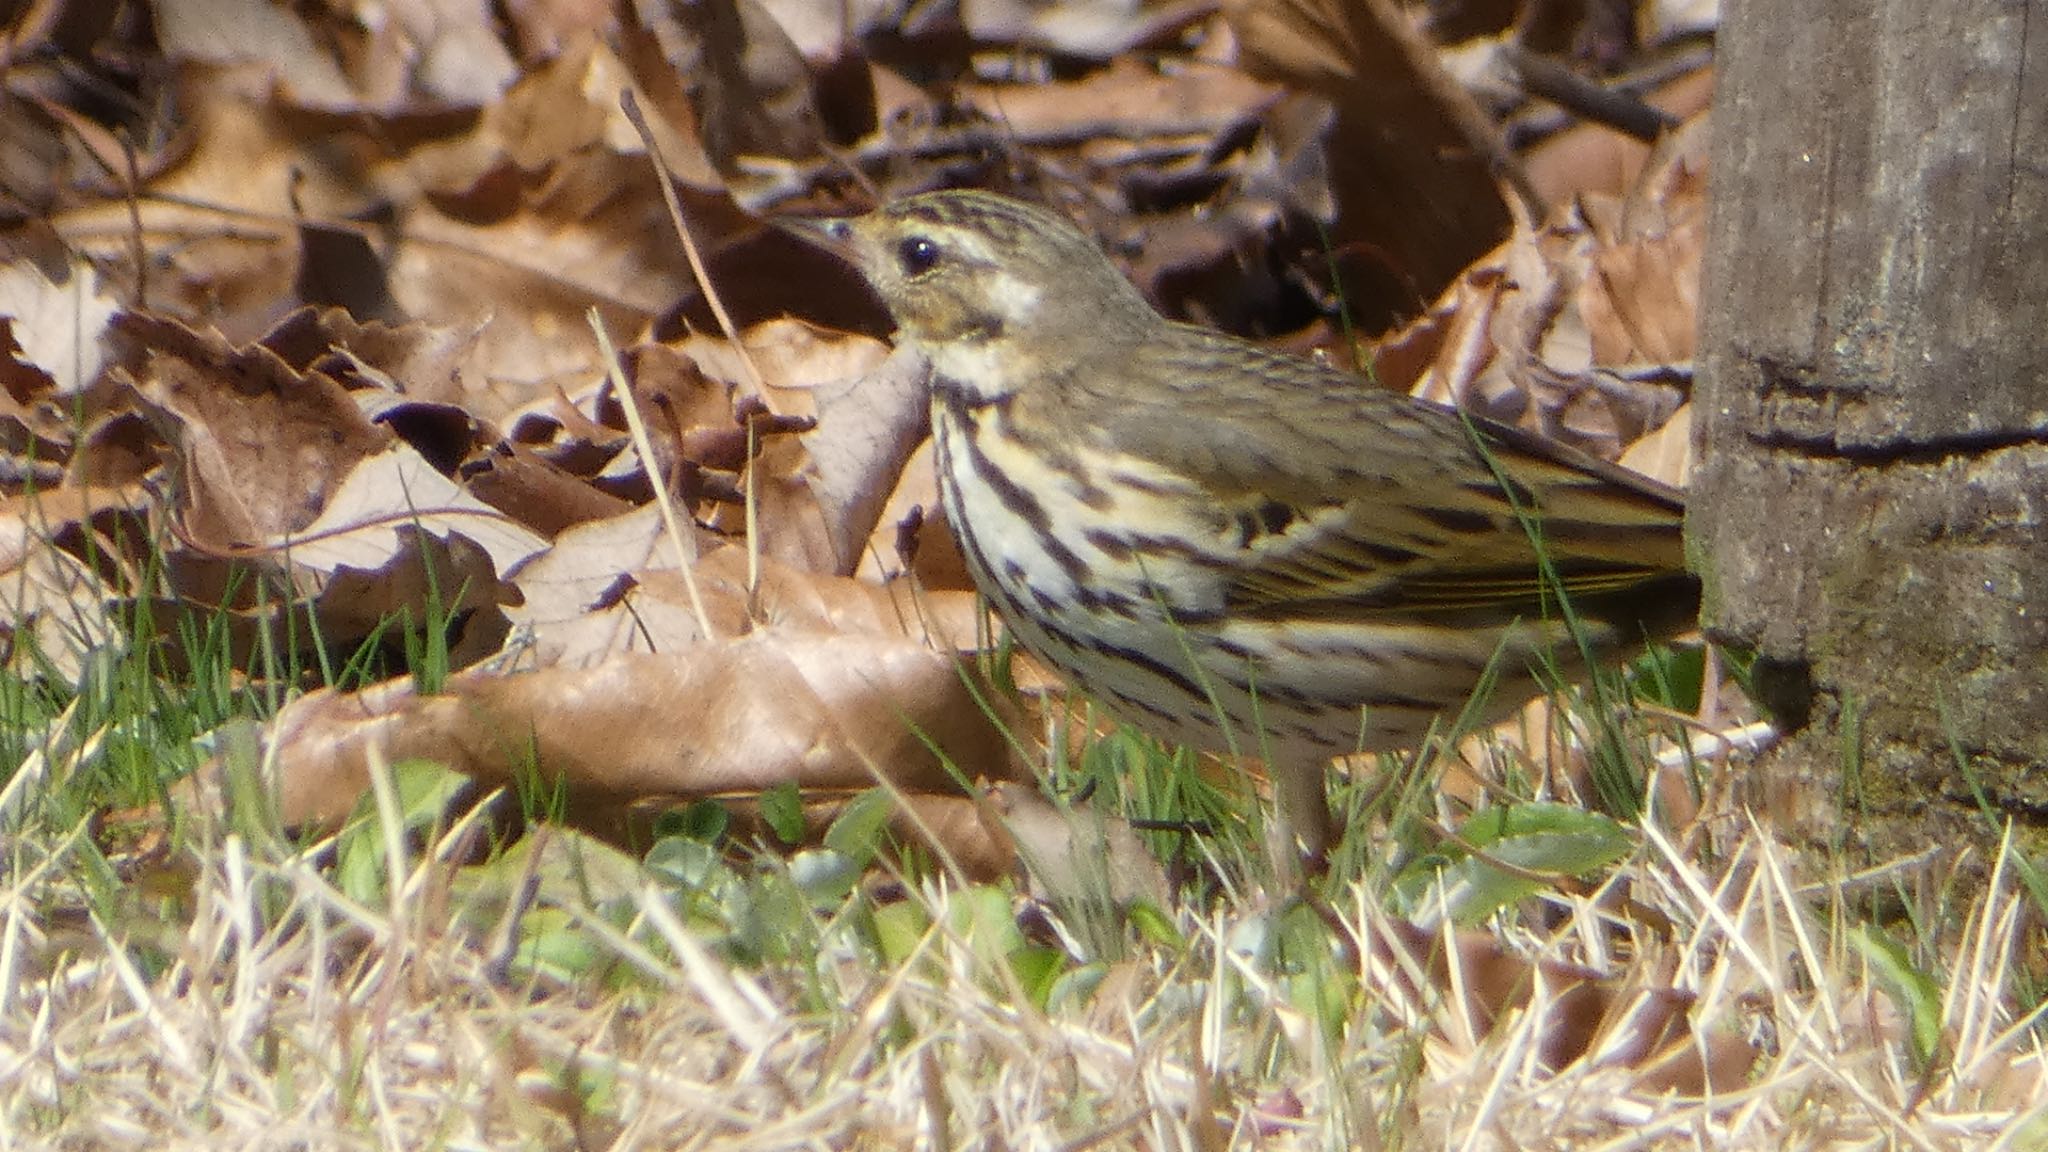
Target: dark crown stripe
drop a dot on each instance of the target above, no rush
(975, 211)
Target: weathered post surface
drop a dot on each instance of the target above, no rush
(1871, 511)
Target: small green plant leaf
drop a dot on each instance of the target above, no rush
(1672, 677)
(2031, 1132)
(594, 1085)
(683, 861)
(826, 876)
(1549, 837)
(773, 922)
(551, 944)
(1155, 926)
(982, 918)
(1912, 991)
(425, 790)
(898, 928)
(1075, 987)
(1038, 969)
(1544, 839)
(704, 821)
(783, 808)
(857, 833)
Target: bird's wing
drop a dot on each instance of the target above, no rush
(1341, 497)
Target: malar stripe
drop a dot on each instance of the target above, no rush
(959, 400)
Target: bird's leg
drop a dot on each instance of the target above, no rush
(1302, 830)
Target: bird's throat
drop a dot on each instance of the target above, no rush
(974, 374)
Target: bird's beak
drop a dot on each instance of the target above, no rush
(835, 234)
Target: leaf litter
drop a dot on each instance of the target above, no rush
(298, 377)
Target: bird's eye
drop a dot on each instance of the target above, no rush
(918, 254)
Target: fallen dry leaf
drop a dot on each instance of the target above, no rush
(961, 829)
(1570, 1013)
(715, 718)
(868, 428)
(1665, 454)
(250, 31)
(1074, 852)
(57, 609)
(533, 491)
(748, 85)
(54, 327)
(1581, 330)
(396, 491)
(1125, 100)
(1416, 201)
(260, 447)
(615, 586)
(1589, 159)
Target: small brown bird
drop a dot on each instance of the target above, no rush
(1232, 548)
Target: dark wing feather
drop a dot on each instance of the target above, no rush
(1390, 504)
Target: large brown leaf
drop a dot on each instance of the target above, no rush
(260, 446)
(726, 717)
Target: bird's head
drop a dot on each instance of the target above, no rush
(974, 268)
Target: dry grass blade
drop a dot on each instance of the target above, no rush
(685, 542)
(280, 978)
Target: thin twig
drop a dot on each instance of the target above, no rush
(756, 384)
(1622, 111)
(686, 543)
